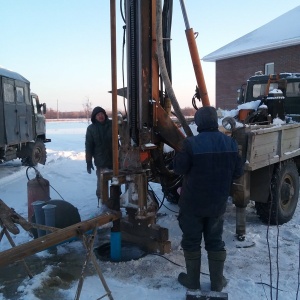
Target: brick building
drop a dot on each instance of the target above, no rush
(272, 48)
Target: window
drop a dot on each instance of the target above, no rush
(26, 91)
(259, 90)
(269, 68)
(293, 89)
(8, 92)
(34, 103)
(20, 94)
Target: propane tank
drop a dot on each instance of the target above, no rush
(37, 189)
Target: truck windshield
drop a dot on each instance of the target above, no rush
(259, 89)
(293, 89)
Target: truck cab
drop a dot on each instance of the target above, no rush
(259, 86)
(22, 121)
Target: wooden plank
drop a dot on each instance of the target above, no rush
(262, 129)
(262, 145)
(264, 141)
(264, 149)
(263, 157)
(271, 145)
(263, 154)
(8, 217)
(291, 132)
(291, 154)
(290, 140)
(262, 163)
(44, 242)
(202, 295)
(266, 138)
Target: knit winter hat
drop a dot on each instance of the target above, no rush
(206, 119)
(96, 110)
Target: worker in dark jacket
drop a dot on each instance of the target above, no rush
(98, 144)
(209, 162)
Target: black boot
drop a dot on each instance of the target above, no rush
(216, 261)
(191, 280)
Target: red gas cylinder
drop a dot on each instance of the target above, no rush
(37, 189)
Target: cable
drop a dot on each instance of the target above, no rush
(196, 96)
(174, 263)
(37, 173)
(121, 10)
(298, 272)
(269, 285)
(161, 202)
(57, 192)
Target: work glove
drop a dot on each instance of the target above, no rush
(89, 167)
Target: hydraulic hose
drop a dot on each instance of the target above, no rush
(164, 71)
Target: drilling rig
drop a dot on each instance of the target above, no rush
(139, 156)
(139, 136)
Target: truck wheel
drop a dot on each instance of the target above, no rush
(284, 195)
(36, 153)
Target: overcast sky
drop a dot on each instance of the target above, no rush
(63, 46)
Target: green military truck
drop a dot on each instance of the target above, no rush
(22, 121)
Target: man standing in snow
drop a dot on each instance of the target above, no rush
(209, 162)
(98, 144)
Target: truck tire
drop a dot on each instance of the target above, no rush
(283, 197)
(36, 153)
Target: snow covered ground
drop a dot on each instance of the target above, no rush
(56, 276)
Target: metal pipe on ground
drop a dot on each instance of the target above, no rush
(49, 211)
(39, 215)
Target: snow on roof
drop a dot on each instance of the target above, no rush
(282, 32)
(10, 74)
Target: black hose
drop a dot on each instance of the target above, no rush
(37, 173)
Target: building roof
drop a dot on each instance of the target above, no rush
(281, 32)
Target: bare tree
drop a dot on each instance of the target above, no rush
(87, 108)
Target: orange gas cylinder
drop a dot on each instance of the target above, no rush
(37, 189)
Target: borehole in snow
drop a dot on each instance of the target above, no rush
(129, 251)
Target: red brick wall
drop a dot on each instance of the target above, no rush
(233, 72)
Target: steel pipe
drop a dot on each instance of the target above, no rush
(114, 87)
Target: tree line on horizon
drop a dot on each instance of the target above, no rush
(86, 113)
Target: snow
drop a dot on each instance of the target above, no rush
(234, 112)
(276, 91)
(56, 276)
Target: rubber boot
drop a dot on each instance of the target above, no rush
(216, 261)
(191, 279)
